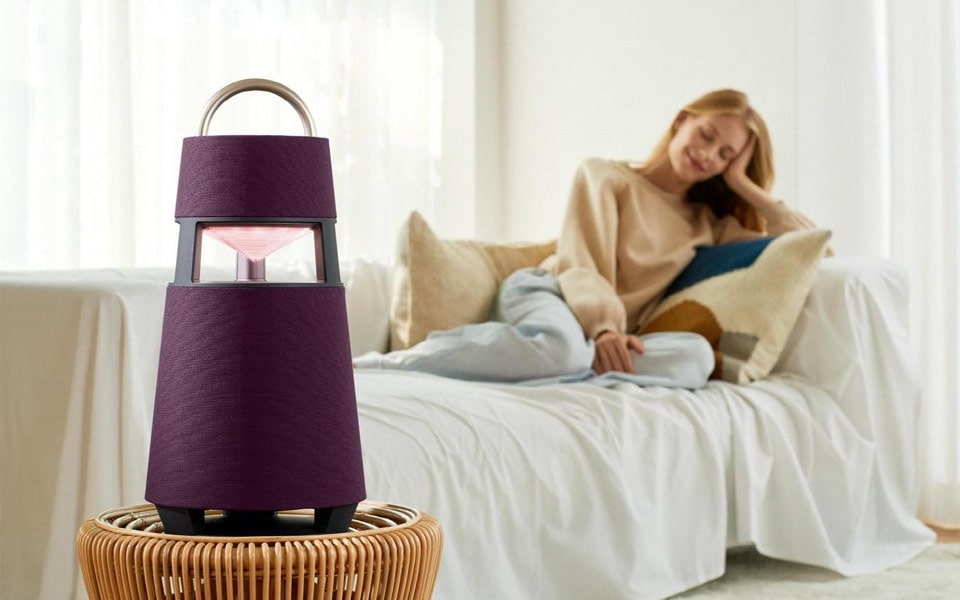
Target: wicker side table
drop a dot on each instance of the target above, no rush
(391, 552)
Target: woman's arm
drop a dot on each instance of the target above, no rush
(587, 264)
(586, 250)
(779, 217)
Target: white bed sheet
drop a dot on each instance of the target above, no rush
(636, 493)
(579, 492)
(78, 356)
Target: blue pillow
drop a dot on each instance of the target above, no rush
(711, 261)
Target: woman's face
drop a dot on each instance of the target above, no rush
(703, 146)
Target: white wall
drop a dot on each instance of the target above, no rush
(577, 79)
(456, 27)
(532, 87)
(469, 35)
(842, 121)
(604, 79)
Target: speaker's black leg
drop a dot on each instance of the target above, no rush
(333, 519)
(181, 521)
(191, 521)
(253, 522)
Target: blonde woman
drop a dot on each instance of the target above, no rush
(631, 228)
(629, 231)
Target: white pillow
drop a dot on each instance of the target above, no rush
(368, 284)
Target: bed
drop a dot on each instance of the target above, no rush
(554, 492)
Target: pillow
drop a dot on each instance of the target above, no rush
(367, 283)
(745, 298)
(442, 284)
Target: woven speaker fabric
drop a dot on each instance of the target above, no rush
(256, 176)
(255, 406)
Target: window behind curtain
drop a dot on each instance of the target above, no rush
(95, 112)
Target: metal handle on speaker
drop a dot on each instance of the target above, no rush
(261, 85)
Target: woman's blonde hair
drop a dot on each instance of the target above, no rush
(714, 192)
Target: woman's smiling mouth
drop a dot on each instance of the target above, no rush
(697, 165)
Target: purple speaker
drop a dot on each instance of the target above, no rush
(255, 407)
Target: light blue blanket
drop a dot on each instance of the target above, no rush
(534, 339)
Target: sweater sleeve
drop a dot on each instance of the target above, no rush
(587, 250)
(780, 219)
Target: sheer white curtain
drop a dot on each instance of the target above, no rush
(924, 56)
(879, 130)
(97, 96)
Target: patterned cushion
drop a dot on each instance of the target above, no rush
(442, 284)
(745, 298)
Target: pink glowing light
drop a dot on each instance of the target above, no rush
(256, 242)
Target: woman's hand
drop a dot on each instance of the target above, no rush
(735, 175)
(612, 352)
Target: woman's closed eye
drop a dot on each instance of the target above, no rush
(726, 153)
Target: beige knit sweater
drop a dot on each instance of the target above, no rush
(624, 240)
